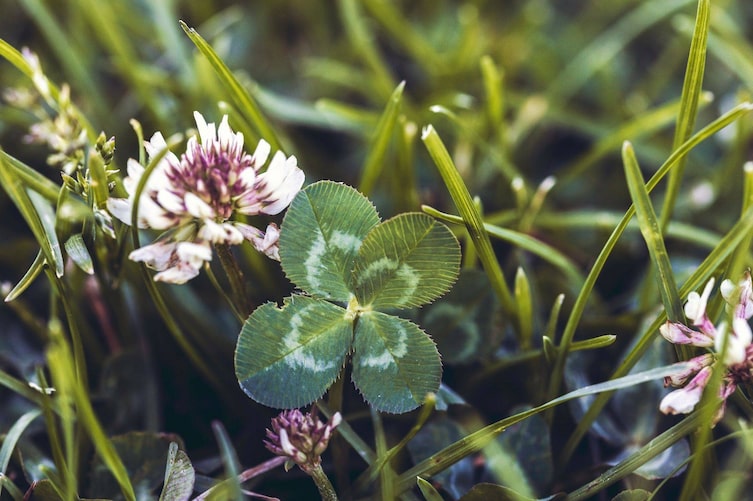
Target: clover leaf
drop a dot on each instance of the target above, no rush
(352, 268)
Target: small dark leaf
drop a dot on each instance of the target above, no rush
(179, 476)
(462, 322)
(487, 492)
(143, 454)
(528, 442)
(434, 436)
(632, 495)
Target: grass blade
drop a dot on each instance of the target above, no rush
(12, 437)
(243, 100)
(232, 488)
(31, 205)
(652, 234)
(381, 140)
(582, 299)
(479, 439)
(691, 92)
(470, 215)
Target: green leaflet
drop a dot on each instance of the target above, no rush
(179, 476)
(409, 260)
(333, 247)
(395, 364)
(324, 227)
(287, 357)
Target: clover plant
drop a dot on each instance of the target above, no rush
(354, 271)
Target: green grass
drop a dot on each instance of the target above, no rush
(589, 156)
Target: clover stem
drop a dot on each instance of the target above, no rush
(235, 277)
(322, 483)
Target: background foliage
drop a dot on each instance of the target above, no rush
(518, 91)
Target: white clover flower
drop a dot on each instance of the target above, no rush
(195, 197)
(733, 347)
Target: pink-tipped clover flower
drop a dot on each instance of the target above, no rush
(732, 347)
(194, 198)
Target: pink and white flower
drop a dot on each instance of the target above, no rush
(732, 347)
(194, 197)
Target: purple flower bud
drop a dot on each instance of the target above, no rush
(301, 437)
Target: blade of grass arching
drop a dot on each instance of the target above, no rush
(405, 34)
(372, 168)
(479, 439)
(31, 178)
(603, 48)
(716, 258)
(582, 298)
(652, 234)
(644, 124)
(363, 43)
(156, 296)
(522, 241)
(640, 457)
(11, 439)
(31, 274)
(231, 489)
(46, 214)
(691, 91)
(37, 222)
(243, 100)
(72, 59)
(62, 367)
(470, 216)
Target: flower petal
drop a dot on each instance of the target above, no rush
(157, 256)
(692, 367)
(677, 333)
(695, 308)
(683, 401)
(261, 153)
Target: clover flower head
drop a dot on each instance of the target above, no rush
(732, 346)
(301, 437)
(194, 197)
